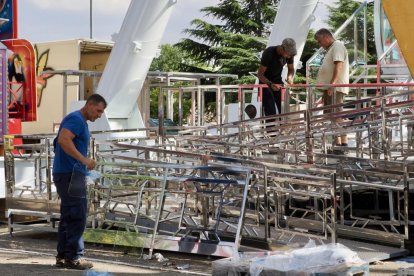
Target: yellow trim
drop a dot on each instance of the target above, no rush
(400, 15)
(8, 142)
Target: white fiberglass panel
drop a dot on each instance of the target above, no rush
(135, 47)
(293, 20)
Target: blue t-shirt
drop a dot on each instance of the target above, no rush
(76, 123)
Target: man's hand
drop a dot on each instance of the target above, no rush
(289, 80)
(89, 163)
(275, 86)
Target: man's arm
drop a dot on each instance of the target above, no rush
(66, 142)
(263, 79)
(291, 71)
(337, 70)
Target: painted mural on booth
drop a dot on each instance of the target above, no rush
(41, 77)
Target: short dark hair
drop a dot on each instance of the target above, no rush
(251, 111)
(96, 99)
(323, 32)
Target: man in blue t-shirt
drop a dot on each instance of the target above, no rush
(70, 166)
(270, 70)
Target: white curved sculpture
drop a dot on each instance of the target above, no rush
(128, 64)
(293, 19)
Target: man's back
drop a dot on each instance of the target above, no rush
(75, 123)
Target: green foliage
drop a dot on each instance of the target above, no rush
(231, 47)
(186, 104)
(169, 60)
(340, 12)
(173, 58)
(249, 17)
(311, 46)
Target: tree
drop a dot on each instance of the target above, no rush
(339, 13)
(231, 47)
(311, 46)
(169, 60)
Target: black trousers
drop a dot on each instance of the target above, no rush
(73, 215)
(271, 100)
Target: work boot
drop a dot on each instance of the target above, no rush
(80, 264)
(60, 262)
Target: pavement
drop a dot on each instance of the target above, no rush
(30, 252)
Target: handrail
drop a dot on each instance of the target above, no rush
(389, 49)
(343, 26)
(381, 58)
(357, 85)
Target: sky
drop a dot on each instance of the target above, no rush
(51, 20)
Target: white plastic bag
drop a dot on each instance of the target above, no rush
(308, 260)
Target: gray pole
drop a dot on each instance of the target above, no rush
(90, 19)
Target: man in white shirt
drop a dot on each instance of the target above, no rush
(334, 70)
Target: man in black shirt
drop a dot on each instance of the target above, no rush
(273, 60)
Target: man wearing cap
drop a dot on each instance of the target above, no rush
(270, 70)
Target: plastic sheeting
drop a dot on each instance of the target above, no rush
(306, 261)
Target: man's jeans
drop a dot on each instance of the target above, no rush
(73, 213)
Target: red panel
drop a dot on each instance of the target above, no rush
(15, 21)
(15, 127)
(22, 79)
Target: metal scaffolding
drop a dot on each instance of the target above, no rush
(214, 189)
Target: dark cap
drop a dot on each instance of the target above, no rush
(289, 45)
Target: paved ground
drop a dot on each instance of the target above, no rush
(32, 253)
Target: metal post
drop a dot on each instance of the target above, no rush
(81, 87)
(333, 210)
(65, 95)
(358, 137)
(286, 100)
(159, 212)
(200, 107)
(365, 46)
(406, 202)
(355, 40)
(48, 169)
(193, 108)
(146, 98)
(239, 230)
(170, 101)
(180, 107)
(219, 101)
(266, 204)
(241, 104)
(161, 132)
(384, 136)
(308, 115)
